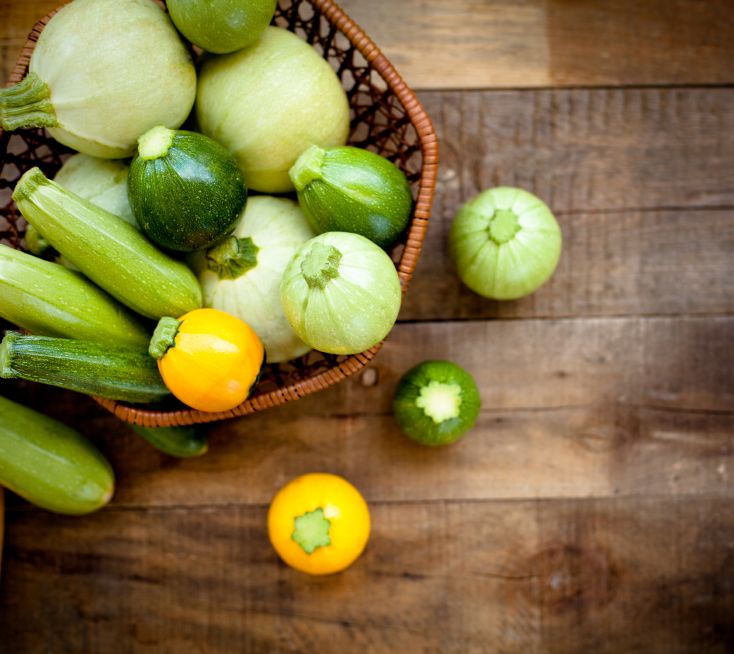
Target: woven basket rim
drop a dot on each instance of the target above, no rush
(421, 214)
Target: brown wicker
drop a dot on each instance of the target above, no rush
(386, 117)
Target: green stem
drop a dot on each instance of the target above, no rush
(311, 531)
(233, 257)
(27, 104)
(320, 265)
(27, 185)
(307, 167)
(503, 226)
(164, 336)
(155, 143)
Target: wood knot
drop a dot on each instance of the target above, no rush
(567, 577)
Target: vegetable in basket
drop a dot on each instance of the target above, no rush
(101, 181)
(341, 293)
(242, 274)
(112, 372)
(505, 243)
(109, 251)
(102, 73)
(185, 189)
(436, 402)
(46, 298)
(209, 359)
(221, 26)
(346, 189)
(319, 523)
(50, 464)
(268, 103)
(181, 442)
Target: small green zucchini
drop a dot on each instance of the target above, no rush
(50, 464)
(347, 189)
(182, 442)
(111, 252)
(186, 191)
(112, 372)
(47, 299)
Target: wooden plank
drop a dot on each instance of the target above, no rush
(638, 574)
(572, 408)
(505, 43)
(608, 163)
(531, 43)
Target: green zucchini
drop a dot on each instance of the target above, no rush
(186, 191)
(115, 373)
(182, 442)
(111, 252)
(346, 189)
(47, 299)
(50, 464)
(436, 403)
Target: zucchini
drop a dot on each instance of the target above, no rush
(186, 191)
(182, 442)
(50, 464)
(115, 373)
(111, 252)
(347, 189)
(47, 299)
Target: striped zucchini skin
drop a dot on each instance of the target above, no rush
(48, 299)
(112, 253)
(188, 193)
(50, 464)
(112, 372)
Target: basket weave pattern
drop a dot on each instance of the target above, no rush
(387, 118)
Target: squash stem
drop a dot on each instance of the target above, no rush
(6, 357)
(27, 185)
(320, 265)
(440, 401)
(155, 143)
(164, 336)
(27, 104)
(307, 167)
(233, 257)
(311, 531)
(503, 226)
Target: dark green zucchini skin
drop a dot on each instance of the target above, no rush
(348, 189)
(189, 197)
(181, 442)
(414, 421)
(115, 373)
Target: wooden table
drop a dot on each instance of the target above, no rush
(592, 508)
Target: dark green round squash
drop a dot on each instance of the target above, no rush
(185, 189)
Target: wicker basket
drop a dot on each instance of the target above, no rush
(386, 118)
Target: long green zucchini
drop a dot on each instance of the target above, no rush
(183, 442)
(112, 253)
(47, 299)
(50, 464)
(116, 373)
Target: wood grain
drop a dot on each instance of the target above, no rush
(506, 43)
(640, 180)
(639, 574)
(571, 408)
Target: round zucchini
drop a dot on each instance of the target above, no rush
(186, 191)
(347, 189)
(436, 403)
(49, 464)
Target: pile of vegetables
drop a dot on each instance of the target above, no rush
(177, 273)
(159, 266)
